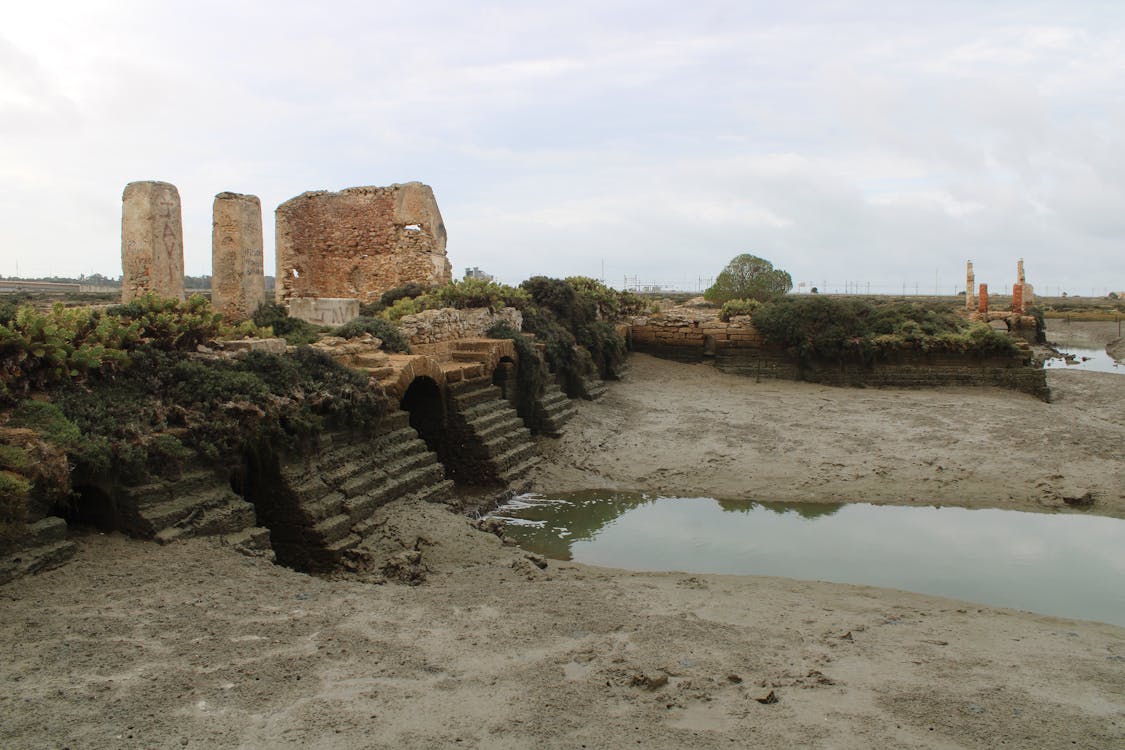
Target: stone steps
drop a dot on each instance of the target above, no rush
(492, 432)
(553, 411)
(46, 547)
(336, 494)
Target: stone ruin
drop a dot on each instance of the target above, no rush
(152, 241)
(360, 242)
(1016, 318)
(238, 284)
(334, 250)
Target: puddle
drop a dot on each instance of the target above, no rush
(1075, 358)
(1068, 565)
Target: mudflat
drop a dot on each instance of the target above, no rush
(194, 645)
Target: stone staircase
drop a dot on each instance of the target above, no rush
(333, 495)
(595, 388)
(45, 547)
(552, 411)
(199, 503)
(491, 442)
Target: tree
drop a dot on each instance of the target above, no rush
(749, 277)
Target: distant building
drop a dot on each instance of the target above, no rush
(476, 273)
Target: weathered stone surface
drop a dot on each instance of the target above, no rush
(238, 283)
(268, 346)
(152, 241)
(970, 286)
(360, 242)
(324, 311)
(448, 324)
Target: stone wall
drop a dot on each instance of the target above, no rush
(360, 242)
(238, 284)
(738, 348)
(448, 324)
(152, 241)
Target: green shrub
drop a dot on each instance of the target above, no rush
(532, 375)
(295, 331)
(824, 329)
(734, 307)
(381, 328)
(473, 293)
(409, 290)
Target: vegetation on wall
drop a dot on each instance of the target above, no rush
(393, 339)
(734, 307)
(825, 329)
(749, 277)
(295, 331)
(41, 349)
(531, 375)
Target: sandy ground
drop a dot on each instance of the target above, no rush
(193, 645)
(688, 429)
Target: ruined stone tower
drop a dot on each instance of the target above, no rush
(152, 241)
(238, 282)
(360, 242)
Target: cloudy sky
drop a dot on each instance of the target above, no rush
(849, 142)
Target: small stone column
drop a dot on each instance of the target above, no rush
(970, 282)
(982, 300)
(152, 241)
(1017, 299)
(238, 282)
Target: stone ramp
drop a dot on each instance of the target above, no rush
(45, 547)
(494, 445)
(330, 497)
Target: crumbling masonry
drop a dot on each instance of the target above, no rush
(360, 242)
(238, 284)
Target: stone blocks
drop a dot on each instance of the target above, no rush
(152, 241)
(324, 311)
(360, 242)
(238, 284)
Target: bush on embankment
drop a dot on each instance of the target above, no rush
(393, 339)
(828, 330)
(123, 394)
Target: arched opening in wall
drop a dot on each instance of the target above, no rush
(504, 376)
(92, 506)
(423, 400)
(709, 346)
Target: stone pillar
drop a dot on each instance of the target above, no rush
(982, 300)
(1017, 299)
(1019, 272)
(970, 283)
(238, 283)
(152, 241)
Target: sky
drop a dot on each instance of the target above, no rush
(858, 145)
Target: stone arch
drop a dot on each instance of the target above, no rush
(94, 506)
(504, 375)
(424, 400)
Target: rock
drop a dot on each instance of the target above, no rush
(767, 699)
(650, 681)
(537, 560)
(269, 346)
(1079, 500)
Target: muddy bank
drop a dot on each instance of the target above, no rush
(686, 429)
(191, 645)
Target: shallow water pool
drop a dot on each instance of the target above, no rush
(1076, 358)
(1067, 565)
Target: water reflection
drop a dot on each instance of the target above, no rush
(1097, 360)
(1056, 564)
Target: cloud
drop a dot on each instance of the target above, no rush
(847, 142)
